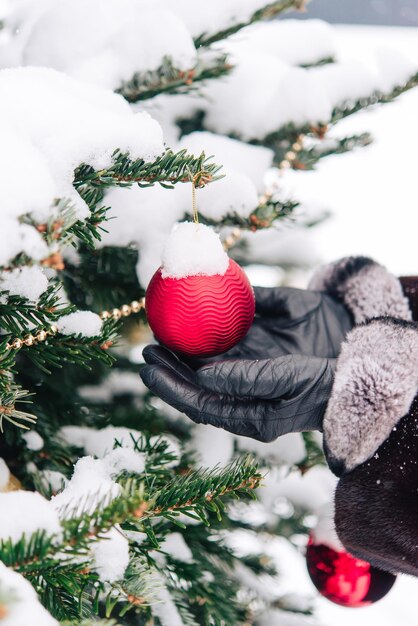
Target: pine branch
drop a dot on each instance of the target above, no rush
(318, 63)
(314, 453)
(378, 97)
(88, 231)
(268, 12)
(210, 599)
(90, 622)
(11, 396)
(18, 316)
(268, 211)
(307, 158)
(203, 489)
(169, 169)
(103, 279)
(65, 590)
(60, 350)
(169, 79)
(59, 224)
(290, 132)
(148, 497)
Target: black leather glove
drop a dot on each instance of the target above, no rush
(291, 321)
(262, 399)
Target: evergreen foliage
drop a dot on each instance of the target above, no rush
(50, 380)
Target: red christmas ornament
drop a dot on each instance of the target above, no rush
(344, 579)
(200, 315)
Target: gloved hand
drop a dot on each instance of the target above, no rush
(292, 321)
(262, 399)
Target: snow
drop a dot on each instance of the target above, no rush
(213, 446)
(234, 194)
(33, 440)
(56, 481)
(90, 488)
(111, 555)
(124, 460)
(310, 491)
(315, 40)
(27, 282)
(164, 607)
(19, 155)
(263, 276)
(116, 384)
(202, 17)
(191, 250)
(324, 531)
(125, 383)
(107, 41)
(175, 545)
(376, 216)
(4, 474)
(16, 238)
(282, 246)
(234, 155)
(145, 217)
(85, 323)
(172, 448)
(15, 520)
(255, 84)
(100, 442)
(288, 449)
(68, 123)
(272, 92)
(276, 617)
(20, 601)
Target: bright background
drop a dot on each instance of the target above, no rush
(372, 194)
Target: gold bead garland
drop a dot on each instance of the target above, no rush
(30, 340)
(292, 154)
(42, 335)
(232, 238)
(125, 310)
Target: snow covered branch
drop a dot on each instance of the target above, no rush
(169, 79)
(269, 11)
(168, 169)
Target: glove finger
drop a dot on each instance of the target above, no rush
(250, 418)
(264, 379)
(186, 396)
(200, 404)
(285, 302)
(158, 355)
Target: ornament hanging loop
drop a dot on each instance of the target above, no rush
(194, 181)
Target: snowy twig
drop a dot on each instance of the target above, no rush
(268, 12)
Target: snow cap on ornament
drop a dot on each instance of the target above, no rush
(199, 302)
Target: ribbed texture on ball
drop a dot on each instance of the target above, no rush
(200, 315)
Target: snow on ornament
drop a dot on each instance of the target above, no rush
(199, 302)
(344, 579)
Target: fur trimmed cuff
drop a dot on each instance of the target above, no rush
(375, 383)
(366, 288)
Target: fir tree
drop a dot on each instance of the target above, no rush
(112, 512)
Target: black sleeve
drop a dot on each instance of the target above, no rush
(376, 504)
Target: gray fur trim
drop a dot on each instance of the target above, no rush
(366, 288)
(375, 383)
